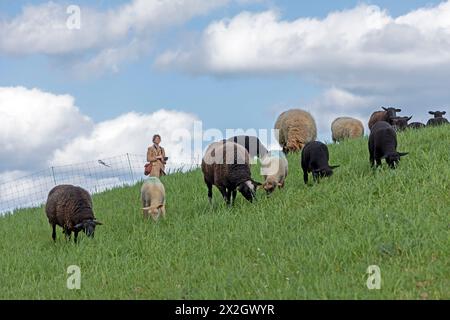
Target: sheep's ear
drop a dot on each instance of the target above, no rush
(409, 119)
(160, 206)
(431, 112)
(402, 154)
(334, 167)
(444, 112)
(98, 223)
(146, 208)
(385, 109)
(398, 110)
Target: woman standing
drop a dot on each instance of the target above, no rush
(157, 157)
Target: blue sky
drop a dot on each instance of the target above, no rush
(222, 102)
(230, 95)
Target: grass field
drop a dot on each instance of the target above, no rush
(306, 242)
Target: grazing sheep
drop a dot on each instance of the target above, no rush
(438, 118)
(296, 128)
(383, 145)
(153, 196)
(385, 115)
(274, 169)
(416, 125)
(71, 208)
(227, 166)
(252, 144)
(400, 123)
(346, 128)
(315, 157)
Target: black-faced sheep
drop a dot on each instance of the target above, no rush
(71, 208)
(227, 166)
(400, 123)
(274, 169)
(438, 118)
(153, 197)
(383, 145)
(416, 125)
(296, 128)
(252, 144)
(346, 128)
(315, 157)
(385, 115)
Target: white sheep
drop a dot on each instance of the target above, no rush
(274, 169)
(153, 196)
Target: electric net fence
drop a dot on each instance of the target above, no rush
(94, 176)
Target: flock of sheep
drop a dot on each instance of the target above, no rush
(227, 165)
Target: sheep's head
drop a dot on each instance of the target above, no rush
(400, 123)
(88, 227)
(437, 114)
(153, 211)
(324, 172)
(392, 112)
(393, 159)
(270, 185)
(248, 189)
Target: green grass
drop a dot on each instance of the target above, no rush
(305, 242)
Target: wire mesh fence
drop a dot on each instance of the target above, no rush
(95, 176)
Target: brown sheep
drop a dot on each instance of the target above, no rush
(296, 128)
(71, 208)
(346, 128)
(227, 166)
(387, 115)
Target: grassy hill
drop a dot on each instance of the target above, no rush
(305, 242)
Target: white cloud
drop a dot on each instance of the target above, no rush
(33, 123)
(130, 133)
(40, 129)
(363, 48)
(104, 36)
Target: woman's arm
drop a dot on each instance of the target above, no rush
(151, 155)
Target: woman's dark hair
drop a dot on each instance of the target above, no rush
(156, 136)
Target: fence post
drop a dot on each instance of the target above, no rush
(53, 175)
(129, 165)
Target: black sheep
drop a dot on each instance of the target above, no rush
(438, 118)
(383, 145)
(252, 144)
(416, 125)
(315, 157)
(400, 123)
(71, 208)
(227, 166)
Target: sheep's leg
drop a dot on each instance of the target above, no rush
(76, 236)
(305, 176)
(68, 234)
(229, 198)
(163, 211)
(378, 162)
(223, 191)
(54, 232)
(372, 161)
(210, 193)
(234, 194)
